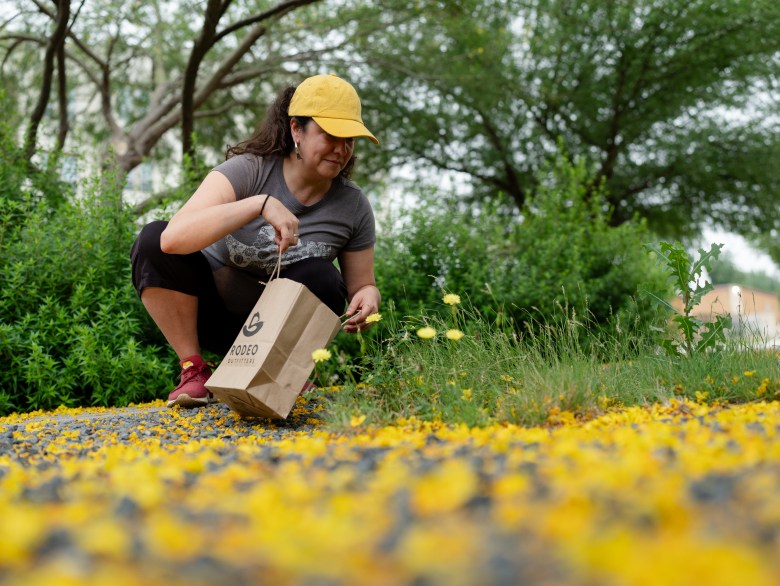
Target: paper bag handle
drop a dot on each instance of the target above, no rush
(278, 268)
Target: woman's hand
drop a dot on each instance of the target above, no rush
(284, 223)
(364, 303)
(357, 268)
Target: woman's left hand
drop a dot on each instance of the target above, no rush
(364, 303)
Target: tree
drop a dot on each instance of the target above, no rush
(131, 61)
(675, 102)
(138, 72)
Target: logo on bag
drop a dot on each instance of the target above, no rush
(243, 350)
(253, 326)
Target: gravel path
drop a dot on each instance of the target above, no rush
(674, 494)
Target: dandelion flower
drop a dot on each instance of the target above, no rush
(466, 396)
(749, 372)
(454, 335)
(373, 318)
(451, 299)
(320, 355)
(426, 333)
(357, 420)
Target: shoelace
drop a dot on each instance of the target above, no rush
(193, 371)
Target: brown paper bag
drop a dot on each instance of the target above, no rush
(270, 361)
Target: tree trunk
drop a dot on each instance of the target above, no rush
(205, 41)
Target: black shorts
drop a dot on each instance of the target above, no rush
(218, 324)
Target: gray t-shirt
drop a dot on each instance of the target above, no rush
(340, 221)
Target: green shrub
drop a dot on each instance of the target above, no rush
(72, 329)
(21, 181)
(521, 269)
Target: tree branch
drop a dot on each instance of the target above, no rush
(53, 47)
(276, 12)
(62, 98)
(192, 98)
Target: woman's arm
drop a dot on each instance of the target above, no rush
(357, 268)
(212, 212)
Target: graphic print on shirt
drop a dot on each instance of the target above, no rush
(263, 252)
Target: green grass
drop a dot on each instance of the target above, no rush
(494, 374)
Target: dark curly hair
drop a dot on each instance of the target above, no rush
(273, 136)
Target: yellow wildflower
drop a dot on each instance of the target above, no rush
(320, 355)
(373, 318)
(357, 420)
(466, 396)
(749, 372)
(451, 299)
(426, 333)
(454, 335)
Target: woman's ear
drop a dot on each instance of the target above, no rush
(295, 130)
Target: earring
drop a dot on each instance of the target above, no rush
(297, 152)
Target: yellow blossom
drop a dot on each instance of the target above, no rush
(749, 372)
(373, 318)
(108, 497)
(426, 333)
(454, 335)
(320, 355)
(451, 299)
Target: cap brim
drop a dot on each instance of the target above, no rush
(344, 128)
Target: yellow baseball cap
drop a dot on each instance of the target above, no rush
(333, 104)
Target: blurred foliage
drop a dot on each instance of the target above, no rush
(675, 102)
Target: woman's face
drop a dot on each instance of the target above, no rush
(322, 153)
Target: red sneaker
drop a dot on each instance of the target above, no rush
(191, 391)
